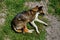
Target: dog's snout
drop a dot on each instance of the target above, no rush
(42, 14)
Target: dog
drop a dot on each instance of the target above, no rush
(20, 21)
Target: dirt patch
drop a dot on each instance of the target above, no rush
(3, 13)
(2, 18)
(53, 29)
(6, 37)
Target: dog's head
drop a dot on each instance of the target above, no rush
(39, 9)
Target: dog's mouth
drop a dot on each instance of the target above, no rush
(42, 14)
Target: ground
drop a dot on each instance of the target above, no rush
(53, 28)
(10, 8)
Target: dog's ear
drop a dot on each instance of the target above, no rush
(40, 7)
(37, 6)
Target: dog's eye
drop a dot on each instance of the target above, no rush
(18, 19)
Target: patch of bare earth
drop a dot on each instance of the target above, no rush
(6, 37)
(2, 14)
(53, 29)
(2, 18)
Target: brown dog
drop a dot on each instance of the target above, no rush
(20, 20)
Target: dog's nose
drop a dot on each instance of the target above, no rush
(41, 14)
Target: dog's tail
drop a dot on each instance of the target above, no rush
(17, 30)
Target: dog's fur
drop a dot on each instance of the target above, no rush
(20, 20)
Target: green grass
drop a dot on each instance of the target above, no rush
(6, 32)
(54, 5)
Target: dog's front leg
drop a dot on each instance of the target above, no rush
(35, 26)
(41, 21)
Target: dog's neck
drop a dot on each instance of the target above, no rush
(36, 16)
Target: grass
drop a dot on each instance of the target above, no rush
(54, 7)
(13, 7)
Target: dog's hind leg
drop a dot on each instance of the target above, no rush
(35, 26)
(41, 22)
(26, 30)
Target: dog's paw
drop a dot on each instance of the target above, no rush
(38, 32)
(46, 24)
(30, 31)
